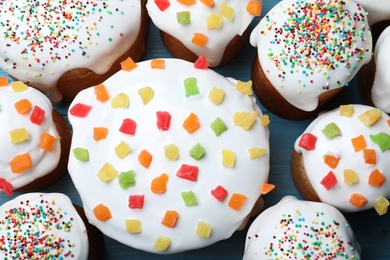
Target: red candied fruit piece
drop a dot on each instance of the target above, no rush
(163, 120)
(329, 181)
(80, 110)
(201, 63)
(128, 126)
(188, 172)
(37, 115)
(136, 201)
(219, 193)
(162, 4)
(308, 141)
(6, 186)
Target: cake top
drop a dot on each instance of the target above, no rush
(295, 229)
(309, 47)
(380, 92)
(346, 157)
(42, 226)
(378, 10)
(30, 146)
(42, 40)
(205, 27)
(165, 150)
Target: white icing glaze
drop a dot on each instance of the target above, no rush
(301, 230)
(380, 91)
(378, 10)
(246, 177)
(217, 40)
(286, 46)
(33, 213)
(316, 169)
(40, 41)
(43, 162)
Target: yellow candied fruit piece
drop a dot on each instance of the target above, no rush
(214, 21)
(122, 149)
(171, 152)
(203, 229)
(162, 243)
(226, 11)
(244, 119)
(228, 158)
(371, 116)
(120, 100)
(381, 205)
(107, 173)
(346, 110)
(133, 226)
(244, 87)
(19, 86)
(256, 152)
(264, 119)
(146, 94)
(350, 176)
(19, 135)
(216, 95)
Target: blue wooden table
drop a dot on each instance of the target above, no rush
(372, 231)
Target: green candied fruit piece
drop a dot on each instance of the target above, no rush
(81, 154)
(218, 126)
(183, 17)
(189, 198)
(191, 87)
(382, 140)
(197, 151)
(126, 179)
(331, 130)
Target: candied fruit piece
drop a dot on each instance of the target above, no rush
(219, 193)
(188, 172)
(214, 21)
(80, 110)
(183, 17)
(170, 218)
(157, 64)
(331, 130)
(359, 143)
(228, 158)
(81, 154)
(266, 188)
(189, 198)
(208, 3)
(101, 93)
(128, 64)
(201, 63)
(308, 141)
(256, 152)
(382, 140)
(100, 133)
(254, 7)
(133, 226)
(102, 212)
(331, 160)
(237, 201)
(226, 11)
(357, 200)
(371, 116)
(244, 87)
(216, 95)
(23, 106)
(350, 176)
(3, 81)
(376, 178)
(146, 94)
(218, 126)
(197, 151)
(329, 181)
(19, 86)
(6, 186)
(187, 2)
(369, 156)
(107, 173)
(162, 4)
(191, 87)
(199, 39)
(136, 201)
(346, 110)
(191, 124)
(203, 229)
(122, 149)
(37, 115)
(162, 243)
(19, 135)
(381, 205)
(159, 184)
(145, 158)
(171, 152)
(21, 163)
(47, 141)
(128, 126)
(264, 119)
(120, 100)
(163, 120)
(244, 119)
(126, 179)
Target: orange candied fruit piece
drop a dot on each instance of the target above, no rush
(145, 158)
(237, 201)
(254, 8)
(208, 3)
(47, 141)
(358, 200)
(21, 163)
(101, 212)
(369, 156)
(3, 81)
(159, 184)
(170, 218)
(266, 188)
(101, 93)
(376, 178)
(158, 64)
(358, 143)
(191, 124)
(100, 133)
(23, 106)
(128, 64)
(388, 122)
(199, 39)
(331, 161)
(187, 2)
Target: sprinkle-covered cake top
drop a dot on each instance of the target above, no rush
(346, 157)
(41, 40)
(378, 10)
(204, 26)
(308, 47)
(30, 146)
(166, 150)
(294, 229)
(42, 226)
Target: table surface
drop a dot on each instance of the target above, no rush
(372, 230)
